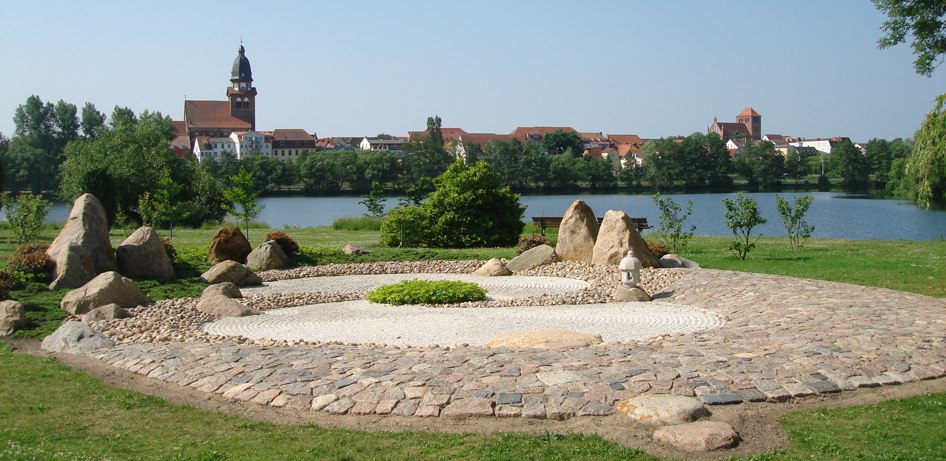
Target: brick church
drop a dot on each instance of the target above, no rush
(748, 125)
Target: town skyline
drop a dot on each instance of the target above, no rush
(513, 70)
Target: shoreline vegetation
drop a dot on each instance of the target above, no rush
(46, 401)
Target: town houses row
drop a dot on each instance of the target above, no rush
(210, 128)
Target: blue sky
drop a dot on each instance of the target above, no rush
(353, 68)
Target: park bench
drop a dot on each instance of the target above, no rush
(556, 221)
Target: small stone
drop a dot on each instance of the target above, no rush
(662, 409)
(493, 268)
(700, 436)
(472, 406)
(627, 294)
(596, 409)
(323, 401)
(428, 411)
(509, 398)
(340, 407)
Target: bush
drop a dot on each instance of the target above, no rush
(358, 223)
(672, 228)
(26, 215)
(169, 249)
(288, 245)
(527, 243)
(406, 227)
(30, 259)
(658, 249)
(469, 208)
(427, 292)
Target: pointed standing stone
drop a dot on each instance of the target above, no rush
(82, 249)
(618, 234)
(577, 234)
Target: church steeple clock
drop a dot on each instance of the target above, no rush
(241, 92)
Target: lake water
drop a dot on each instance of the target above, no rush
(834, 215)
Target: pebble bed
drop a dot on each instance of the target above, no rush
(178, 320)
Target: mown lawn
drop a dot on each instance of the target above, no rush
(52, 412)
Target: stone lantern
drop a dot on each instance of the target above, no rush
(630, 268)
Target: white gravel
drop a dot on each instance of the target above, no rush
(364, 322)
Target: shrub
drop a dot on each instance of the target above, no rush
(30, 259)
(406, 227)
(527, 243)
(794, 219)
(742, 215)
(469, 208)
(26, 215)
(427, 292)
(169, 249)
(672, 228)
(658, 249)
(288, 245)
(7, 283)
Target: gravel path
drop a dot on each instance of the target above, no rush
(362, 321)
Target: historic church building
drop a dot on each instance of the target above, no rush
(748, 125)
(219, 119)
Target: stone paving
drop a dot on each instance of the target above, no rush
(783, 338)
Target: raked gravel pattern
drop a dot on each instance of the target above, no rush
(362, 321)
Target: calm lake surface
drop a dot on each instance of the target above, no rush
(834, 215)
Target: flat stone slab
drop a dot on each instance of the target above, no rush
(700, 436)
(659, 409)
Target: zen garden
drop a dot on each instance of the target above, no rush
(160, 320)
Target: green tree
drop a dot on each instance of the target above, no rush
(672, 229)
(742, 215)
(26, 215)
(923, 19)
(561, 142)
(598, 172)
(793, 218)
(374, 201)
(850, 164)
(65, 123)
(927, 163)
(631, 174)
(797, 165)
(761, 165)
(880, 155)
(163, 205)
(657, 163)
(241, 198)
(122, 117)
(92, 122)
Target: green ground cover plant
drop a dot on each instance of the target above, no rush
(426, 292)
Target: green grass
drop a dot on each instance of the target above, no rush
(358, 223)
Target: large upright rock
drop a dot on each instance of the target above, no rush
(617, 235)
(142, 256)
(577, 234)
(268, 256)
(106, 288)
(82, 249)
(229, 245)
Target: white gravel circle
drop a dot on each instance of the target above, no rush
(365, 322)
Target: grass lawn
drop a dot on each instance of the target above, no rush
(52, 412)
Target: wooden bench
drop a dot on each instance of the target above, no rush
(556, 221)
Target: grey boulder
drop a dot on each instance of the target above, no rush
(76, 338)
(534, 257)
(233, 272)
(82, 249)
(142, 256)
(222, 306)
(268, 256)
(12, 317)
(106, 288)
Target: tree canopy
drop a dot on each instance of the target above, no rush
(927, 163)
(924, 21)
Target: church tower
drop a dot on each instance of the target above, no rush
(241, 92)
(752, 120)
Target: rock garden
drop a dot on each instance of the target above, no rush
(559, 335)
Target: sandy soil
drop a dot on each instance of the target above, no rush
(755, 422)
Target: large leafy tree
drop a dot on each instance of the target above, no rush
(761, 165)
(921, 19)
(561, 142)
(927, 164)
(92, 122)
(850, 164)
